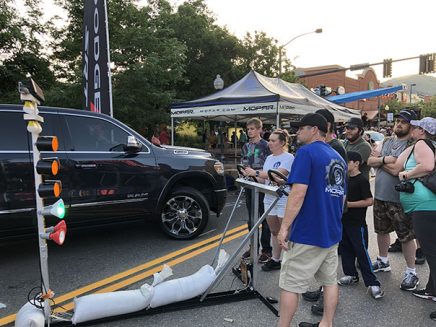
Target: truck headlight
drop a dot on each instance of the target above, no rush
(219, 168)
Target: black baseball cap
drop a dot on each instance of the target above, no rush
(327, 115)
(354, 156)
(354, 122)
(313, 119)
(407, 115)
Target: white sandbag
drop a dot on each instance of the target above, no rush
(30, 316)
(222, 260)
(161, 276)
(96, 306)
(183, 288)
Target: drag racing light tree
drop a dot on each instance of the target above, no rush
(46, 187)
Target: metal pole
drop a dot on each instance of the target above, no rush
(280, 61)
(172, 131)
(378, 108)
(108, 59)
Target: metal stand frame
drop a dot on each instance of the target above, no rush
(208, 298)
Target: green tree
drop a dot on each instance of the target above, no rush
(21, 51)
(147, 59)
(429, 108)
(211, 50)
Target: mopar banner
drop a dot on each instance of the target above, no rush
(96, 68)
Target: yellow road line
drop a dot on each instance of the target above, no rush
(240, 230)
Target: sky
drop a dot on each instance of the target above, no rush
(354, 31)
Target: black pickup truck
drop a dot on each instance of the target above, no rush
(103, 180)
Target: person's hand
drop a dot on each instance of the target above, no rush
(403, 175)
(282, 238)
(375, 152)
(249, 172)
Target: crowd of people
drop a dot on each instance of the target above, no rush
(325, 213)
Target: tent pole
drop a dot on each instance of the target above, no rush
(278, 116)
(236, 144)
(172, 130)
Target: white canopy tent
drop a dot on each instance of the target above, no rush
(273, 100)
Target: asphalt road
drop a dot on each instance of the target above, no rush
(124, 257)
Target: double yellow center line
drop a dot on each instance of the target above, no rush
(141, 272)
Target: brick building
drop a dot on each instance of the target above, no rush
(367, 80)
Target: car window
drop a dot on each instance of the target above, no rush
(13, 133)
(93, 134)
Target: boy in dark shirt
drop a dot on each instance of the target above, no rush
(353, 246)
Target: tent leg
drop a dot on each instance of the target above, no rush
(172, 131)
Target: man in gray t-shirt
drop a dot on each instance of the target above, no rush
(388, 213)
(355, 143)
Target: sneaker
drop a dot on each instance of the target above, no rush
(423, 294)
(308, 324)
(318, 308)
(264, 257)
(348, 280)
(433, 315)
(312, 296)
(396, 246)
(419, 257)
(376, 292)
(409, 283)
(272, 265)
(379, 265)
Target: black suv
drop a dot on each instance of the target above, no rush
(104, 180)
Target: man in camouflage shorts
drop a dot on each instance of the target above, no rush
(389, 215)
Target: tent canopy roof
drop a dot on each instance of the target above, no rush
(258, 95)
(353, 96)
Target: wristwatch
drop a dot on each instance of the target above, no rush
(257, 173)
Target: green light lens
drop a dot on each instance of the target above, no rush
(60, 210)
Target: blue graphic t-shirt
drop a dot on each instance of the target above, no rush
(324, 171)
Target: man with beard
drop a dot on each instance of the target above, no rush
(355, 142)
(389, 215)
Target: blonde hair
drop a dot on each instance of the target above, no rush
(256, 122)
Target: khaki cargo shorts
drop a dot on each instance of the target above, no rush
(303, 262)
(389, 217)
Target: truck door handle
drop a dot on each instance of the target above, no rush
(86, 166)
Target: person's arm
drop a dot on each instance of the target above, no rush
(425, 162)
(375, 160)
(293, 207)
(361, 203)
(260, 175)
(394, 165)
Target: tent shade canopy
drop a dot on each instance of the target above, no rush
(271, 99)
(354, 96)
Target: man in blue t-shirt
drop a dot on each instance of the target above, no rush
(312, 228)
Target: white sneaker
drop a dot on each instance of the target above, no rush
(376, 292)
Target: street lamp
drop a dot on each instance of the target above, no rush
(318, 30)
(218, 83)
(410, 94)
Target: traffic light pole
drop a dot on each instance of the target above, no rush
(34, 128)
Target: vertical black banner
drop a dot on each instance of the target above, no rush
(96, 75)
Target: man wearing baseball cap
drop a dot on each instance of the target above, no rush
(311, 228)
(334, 143)
(355, 142)
(388, 213)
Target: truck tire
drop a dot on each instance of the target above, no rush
(184, 214)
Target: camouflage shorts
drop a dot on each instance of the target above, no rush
(389, 217)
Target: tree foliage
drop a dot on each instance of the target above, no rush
(159, 55)
(21, 49)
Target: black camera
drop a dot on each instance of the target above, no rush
(405, 186)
